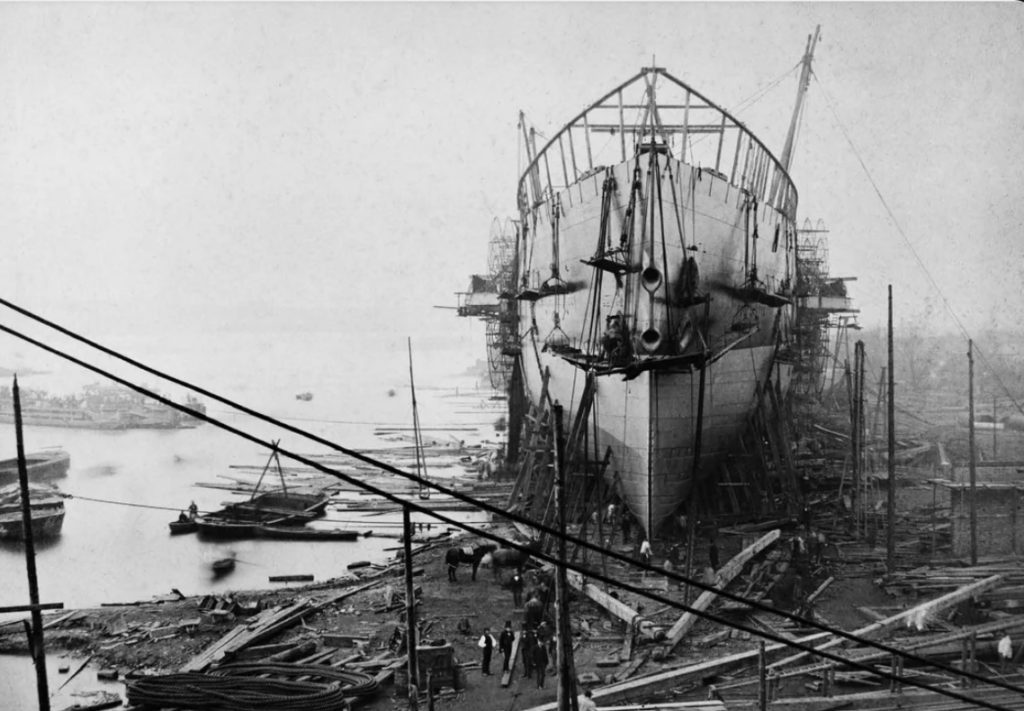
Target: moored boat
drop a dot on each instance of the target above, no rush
(302, 533)
(46, 508)
(243, 519)
(180, 527)
(40, 466)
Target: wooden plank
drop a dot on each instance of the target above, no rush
(616, 607)
(722, 579)
(506, 678)
(672, 678)
(631, 669)
(918, 613)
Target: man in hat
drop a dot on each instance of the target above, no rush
(505, 640)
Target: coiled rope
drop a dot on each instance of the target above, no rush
(234, 688)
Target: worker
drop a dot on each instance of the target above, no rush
(1005, 649)
(645, 553)
(505, 640)
(182, 518)
(586, 701)
(193, 510)
(516, 585)
(487, 644)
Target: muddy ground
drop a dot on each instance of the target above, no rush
(160, 637)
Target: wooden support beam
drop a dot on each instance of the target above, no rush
(613, 605)
(722, 579)
(672, 678)
(920, 612)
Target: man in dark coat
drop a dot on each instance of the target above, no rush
(527, 642)
(517, 590)
(505, 640)
(534, 613)
(540, 663)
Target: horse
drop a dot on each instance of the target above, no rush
(473, 556)
(509, 558)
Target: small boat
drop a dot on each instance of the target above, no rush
(305, 397)
(292, 506)
(223, 566)
(211, 527)
(179, 527)
(301, 533)
(41, 466)
(47, 510)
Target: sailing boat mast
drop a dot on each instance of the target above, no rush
(421, 461)
(801, 92)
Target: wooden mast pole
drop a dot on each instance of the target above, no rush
(805, 79)
(36, 638)
(973, 468)
(410, 612)
(421, 461)
(890, 548)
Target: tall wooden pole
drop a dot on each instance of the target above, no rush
(861, 428)
(890, 547)
(566, 668)
(970, 400)
(38, 650)
(691, 519)
(410, 613)
(995, 421)
(854, 449)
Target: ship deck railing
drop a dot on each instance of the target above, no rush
(655, 110)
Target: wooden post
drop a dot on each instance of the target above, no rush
(890, 550)
(1013, 520)
(36, 637)
(854, 458)
(974, 657)
(970, 436)
(861, 429)
(410, 612)
(995, 443)
(762, 675)
(691, 522)
(566, 671)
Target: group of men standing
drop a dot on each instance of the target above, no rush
(534, 646)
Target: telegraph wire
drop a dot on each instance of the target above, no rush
(483, 533)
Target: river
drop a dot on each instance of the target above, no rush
(126, 486)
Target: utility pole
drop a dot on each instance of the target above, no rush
(973, 470)
(566, 668)
(410, 614)
(890, 548)
(36, 638)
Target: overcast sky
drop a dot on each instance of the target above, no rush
(185, 166)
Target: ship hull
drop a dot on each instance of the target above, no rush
(40, 466)
(675, 336)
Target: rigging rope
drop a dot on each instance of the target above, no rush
(540, 527)
(945, 302)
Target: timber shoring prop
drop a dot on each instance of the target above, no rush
(722, 579)
(436, 486)
(919, 613)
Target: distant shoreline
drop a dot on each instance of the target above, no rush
(9, 372)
